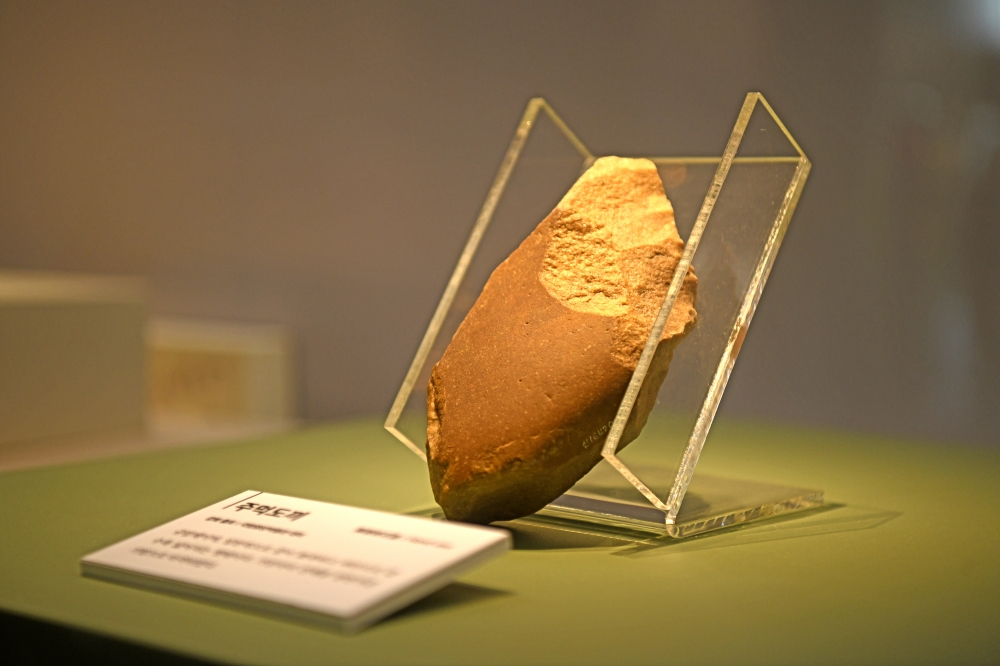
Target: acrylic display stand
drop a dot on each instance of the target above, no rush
(732, 211)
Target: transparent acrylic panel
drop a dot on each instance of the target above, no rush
(732, 212)
(547, 165)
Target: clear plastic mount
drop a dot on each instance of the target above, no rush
(733, 212)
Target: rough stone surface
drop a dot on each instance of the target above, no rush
(521, 402)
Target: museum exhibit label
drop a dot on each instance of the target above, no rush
(337, 566)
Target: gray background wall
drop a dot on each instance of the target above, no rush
(319, 165)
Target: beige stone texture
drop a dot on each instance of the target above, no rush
(520, 403)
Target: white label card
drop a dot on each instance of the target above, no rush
(328, 563)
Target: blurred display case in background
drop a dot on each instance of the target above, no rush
(85, 373)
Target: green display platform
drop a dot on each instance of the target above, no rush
(903, 566)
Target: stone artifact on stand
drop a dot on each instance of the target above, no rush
(520, 404)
